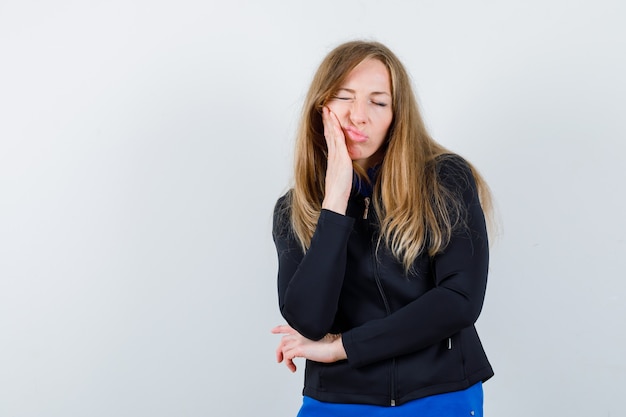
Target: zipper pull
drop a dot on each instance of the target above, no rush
(449, 343)
(367, 207)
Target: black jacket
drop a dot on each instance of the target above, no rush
(406, 337)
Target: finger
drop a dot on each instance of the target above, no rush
(289, 357)
(283, 329)
(291, 365)
(291, 343)
(327, 128)
(279, 354)
(335, 138)
(335, 125)
(332, 128)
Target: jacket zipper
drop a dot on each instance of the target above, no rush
(367, 208)
(388, 310)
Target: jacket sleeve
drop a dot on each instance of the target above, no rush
(309, 284)
(455, 301)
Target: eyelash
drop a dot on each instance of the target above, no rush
(373, 102)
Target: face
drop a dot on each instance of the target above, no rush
(364, 109)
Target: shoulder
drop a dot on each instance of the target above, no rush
(283, 202)
(282, 214)
(454, 172)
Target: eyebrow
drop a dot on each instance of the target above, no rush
(349, 90)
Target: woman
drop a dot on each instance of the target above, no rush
(382, 250)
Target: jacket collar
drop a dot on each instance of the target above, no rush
(363, 186)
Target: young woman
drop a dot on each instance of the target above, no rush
(382, 251)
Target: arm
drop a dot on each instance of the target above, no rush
(309, 284)
(455, 301)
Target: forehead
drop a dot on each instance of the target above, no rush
(371, 74)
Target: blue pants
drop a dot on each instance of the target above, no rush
(466, 403)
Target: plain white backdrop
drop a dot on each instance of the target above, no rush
(144, 143)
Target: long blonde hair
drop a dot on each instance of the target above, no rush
(416, 213)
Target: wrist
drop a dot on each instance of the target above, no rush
(337, 205)
(340, 350)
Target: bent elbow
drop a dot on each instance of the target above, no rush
(468, 313)
(306, 324)
(463, 310)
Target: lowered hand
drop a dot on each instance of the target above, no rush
(294, 345)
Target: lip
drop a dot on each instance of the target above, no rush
(355, 134)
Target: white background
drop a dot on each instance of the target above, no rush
(144, 143)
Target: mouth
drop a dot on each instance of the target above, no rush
(354, 134)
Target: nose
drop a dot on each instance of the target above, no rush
(358, 112)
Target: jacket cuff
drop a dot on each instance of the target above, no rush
(329, 216)
(352, 352)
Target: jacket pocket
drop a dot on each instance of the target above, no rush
(438, 364)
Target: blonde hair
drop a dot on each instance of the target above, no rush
(417, 213)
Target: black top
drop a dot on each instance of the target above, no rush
(406, 336)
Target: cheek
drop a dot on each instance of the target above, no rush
(337, 107)
(384, 123)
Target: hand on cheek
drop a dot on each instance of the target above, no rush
(339, 169)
